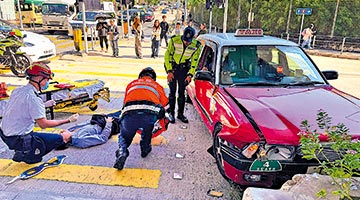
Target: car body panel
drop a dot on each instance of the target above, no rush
(43, 48)
(265, 105)
(37, 47)
(90, 21)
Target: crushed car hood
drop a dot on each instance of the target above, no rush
(279, 111)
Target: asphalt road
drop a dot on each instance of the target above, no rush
(91, 169)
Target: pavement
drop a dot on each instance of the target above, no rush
(197, 169)
(88, 173)
(333, 54)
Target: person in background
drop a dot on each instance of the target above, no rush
(114, 37)
(144, 105)
(181, 59)
(155, 39)
(102, 28)
(164, 30)
(137, 27)
(307, 35)
(177, 30)
(203, 29)
(25, 108)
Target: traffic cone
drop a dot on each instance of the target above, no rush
(3, 88)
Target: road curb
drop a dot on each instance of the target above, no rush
(352, 56)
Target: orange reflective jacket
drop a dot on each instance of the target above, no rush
(145, 89)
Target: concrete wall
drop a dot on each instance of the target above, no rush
(7, 10)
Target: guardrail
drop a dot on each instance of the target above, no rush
(337, 43)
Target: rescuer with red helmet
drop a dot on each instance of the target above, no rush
(23, 109)
(143, 106)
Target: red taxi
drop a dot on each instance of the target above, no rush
(253, 92)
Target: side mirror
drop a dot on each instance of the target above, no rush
(203, 75)
(330, 74)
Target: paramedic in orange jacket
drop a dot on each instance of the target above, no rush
(144, 104)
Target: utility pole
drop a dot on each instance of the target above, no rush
(250, 17)
(210, 20)
(226, 6)
(288, 20)
(185, 11)
(177, 10)
(239, 12)
(20, 15)
(335, 16)
(84, 27)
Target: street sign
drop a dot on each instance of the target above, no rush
(303, 11)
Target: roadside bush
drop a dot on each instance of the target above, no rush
(339, 157)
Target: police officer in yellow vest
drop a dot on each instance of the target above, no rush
(181, 58)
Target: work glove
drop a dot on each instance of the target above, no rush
(73, 118)
(50, 103)
(170, 77)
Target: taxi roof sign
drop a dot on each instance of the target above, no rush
(249, 32)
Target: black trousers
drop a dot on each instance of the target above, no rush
(105, 40)
(33, 146)
(178, 83)
(164, 35)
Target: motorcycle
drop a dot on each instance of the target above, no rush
(10, 56)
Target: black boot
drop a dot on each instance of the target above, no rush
(121, 156)
(181, 108)
(144, 153)
(171, 109)
(183, 118)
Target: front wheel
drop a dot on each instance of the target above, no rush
(19, 67)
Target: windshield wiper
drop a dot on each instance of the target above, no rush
(304, 83)
(254, 84)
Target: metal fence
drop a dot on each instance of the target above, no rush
(336, 43)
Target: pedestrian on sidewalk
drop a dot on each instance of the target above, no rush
(25, 108)
(178, 30)
(307, 35)
(164, 30)
(102, 28)
(155, 39)
(143, 107)
(203, 29)
(181, 59)
(114, 37)
(137, 30)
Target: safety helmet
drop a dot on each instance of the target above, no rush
(188, 34)
(148, 71)
(39, 69)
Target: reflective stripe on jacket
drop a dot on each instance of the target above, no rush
(145, 89)
(176, 53)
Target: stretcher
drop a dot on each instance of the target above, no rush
(85, 92)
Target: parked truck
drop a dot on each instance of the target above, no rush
(57, 14)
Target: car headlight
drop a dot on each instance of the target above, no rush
(28, 44)
(271, 152)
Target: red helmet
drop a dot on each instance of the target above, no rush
(39, 69)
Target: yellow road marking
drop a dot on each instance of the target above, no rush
(139, 178)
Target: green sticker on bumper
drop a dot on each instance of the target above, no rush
(265, 166)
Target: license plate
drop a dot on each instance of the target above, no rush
(265, 166)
